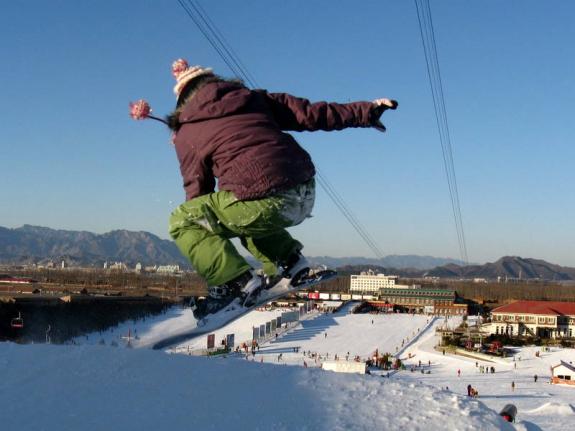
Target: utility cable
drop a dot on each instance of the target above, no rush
(434, 75)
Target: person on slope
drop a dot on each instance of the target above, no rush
(229, 135)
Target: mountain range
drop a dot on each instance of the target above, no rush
(34, 244)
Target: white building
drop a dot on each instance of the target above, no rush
(368, 282)
(168, 269)
(563, 373)
(345, 366)
(116, 266)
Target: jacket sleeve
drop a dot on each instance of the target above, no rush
(294, 113)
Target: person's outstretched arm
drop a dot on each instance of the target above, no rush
(295, 113)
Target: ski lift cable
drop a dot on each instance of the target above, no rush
(351, 220)
(448, 136)
(349, 215)
(207, 36)
(336, 198)
(210, 32)
(210, 26)
(225, 44)
(432, 68)
(434, 75)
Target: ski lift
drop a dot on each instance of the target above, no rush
(17, 322)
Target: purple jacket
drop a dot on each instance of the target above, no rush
(235, 135)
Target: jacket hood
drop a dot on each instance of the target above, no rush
(215, 100)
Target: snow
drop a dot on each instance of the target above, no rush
(99, 387)
(90, 386)
(553, 409)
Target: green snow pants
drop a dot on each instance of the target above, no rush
(202, 228)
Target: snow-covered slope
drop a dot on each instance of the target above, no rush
(89, 388)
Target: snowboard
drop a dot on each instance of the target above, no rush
(235, 309)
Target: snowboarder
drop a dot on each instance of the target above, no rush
(535, 378)
(229, 135)
(513, 386)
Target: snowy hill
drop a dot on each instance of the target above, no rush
(90, 386)
(94, 388)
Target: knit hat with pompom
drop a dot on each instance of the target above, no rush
(184, 74)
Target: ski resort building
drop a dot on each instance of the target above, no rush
(545, 319)
(382, 291)
(563, 373)
(429, 300)
(370, 283)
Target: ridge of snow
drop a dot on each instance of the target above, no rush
(557, 409)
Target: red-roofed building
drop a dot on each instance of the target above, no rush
(545, 319)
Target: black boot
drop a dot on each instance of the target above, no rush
(242, 288)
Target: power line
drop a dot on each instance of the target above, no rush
(433, 72)
(339, 202)
(222, 47)
(189, 7)
(227, 47)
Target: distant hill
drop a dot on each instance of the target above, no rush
(507, 268)
(513, 267)
(33, 244)
(391, 261)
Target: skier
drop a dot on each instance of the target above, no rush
(227, 134)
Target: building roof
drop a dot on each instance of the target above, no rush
(565, 364)
(552, 308)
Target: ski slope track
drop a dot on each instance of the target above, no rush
(98, 387)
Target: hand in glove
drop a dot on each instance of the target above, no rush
(379, 106)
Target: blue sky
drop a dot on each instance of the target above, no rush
(73, 159)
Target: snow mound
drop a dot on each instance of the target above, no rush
(99, 387)
(555, 409)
